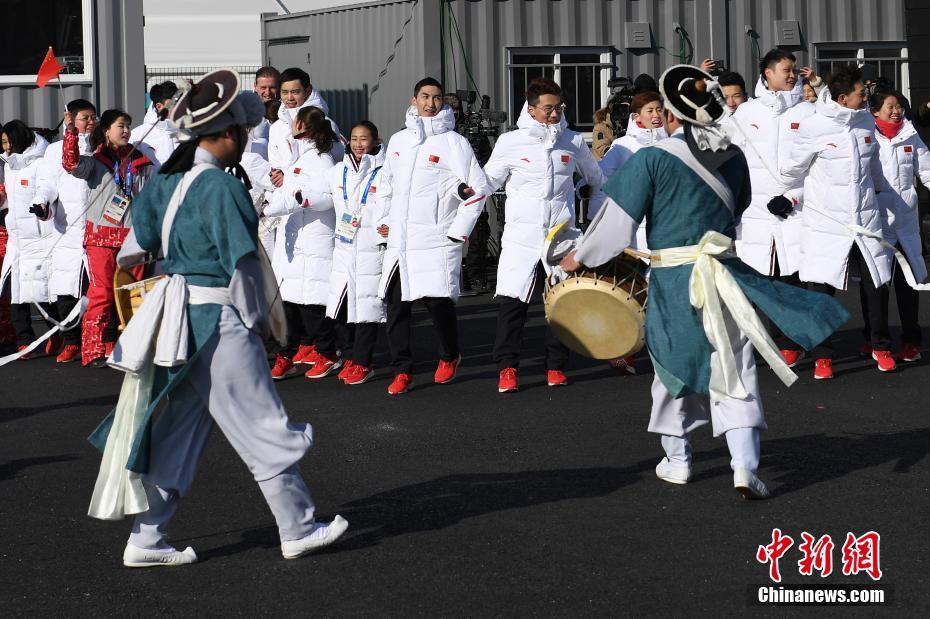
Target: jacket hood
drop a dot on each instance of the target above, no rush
(315, 99)
(424, 127)
(368, 163)
(644, 136)
(33, 152)
(547, 133)
(780, 100)
(826, 106)
(151, 118)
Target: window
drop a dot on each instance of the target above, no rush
(66, 25)
(889, 58)
(582, 72)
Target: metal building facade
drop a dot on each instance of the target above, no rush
(345, 48)
(118, 78)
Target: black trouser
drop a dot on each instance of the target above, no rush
(308, 325)
(21, 317)
(874, 302)
(511, 318)
(476, 260)
(781, 340)
(441, 310)
(356, 339)
(908, 303)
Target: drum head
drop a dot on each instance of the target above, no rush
(596, 320)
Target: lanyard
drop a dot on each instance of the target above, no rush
(345, 193)
(127, 187)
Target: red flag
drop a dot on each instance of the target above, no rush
(49, 69)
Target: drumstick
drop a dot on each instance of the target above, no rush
(637, 254)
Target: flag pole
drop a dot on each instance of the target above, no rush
(61, 93)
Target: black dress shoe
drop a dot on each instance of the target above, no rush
(99, 362)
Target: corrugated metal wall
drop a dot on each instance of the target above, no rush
(348, 45)
(119, 72)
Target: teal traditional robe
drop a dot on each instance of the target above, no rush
(215, 226)
(679, 208)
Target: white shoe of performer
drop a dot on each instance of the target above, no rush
(134, 556)
(673, 473)
(749, 485)
(322, 535)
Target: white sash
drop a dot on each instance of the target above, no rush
(680, 149)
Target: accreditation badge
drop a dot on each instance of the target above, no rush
(116, 209)
(347, 227)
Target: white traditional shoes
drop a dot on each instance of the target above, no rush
(750, 486)
(673, 473)
(134, 556)
(322, 535)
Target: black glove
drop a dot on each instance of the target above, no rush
(462, 191)
(780, 206)
(42, 211)
(455, 240)
(584, 192)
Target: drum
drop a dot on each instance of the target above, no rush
(129, 293)
(600, 313)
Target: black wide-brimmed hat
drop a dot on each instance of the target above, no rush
(687, 92)
(214, 103)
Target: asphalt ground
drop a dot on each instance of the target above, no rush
(465, 502)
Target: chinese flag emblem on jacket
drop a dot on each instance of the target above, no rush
(49, 69)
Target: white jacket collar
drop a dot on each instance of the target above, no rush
(779, 100)
(289, 114)
(829, 108)
(645, 136)
(548, 134)
(423, 127)
(34, 151)
(368, 163)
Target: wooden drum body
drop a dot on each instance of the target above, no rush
(600, 313)
(129, 293)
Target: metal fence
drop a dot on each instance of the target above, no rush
(155, 75)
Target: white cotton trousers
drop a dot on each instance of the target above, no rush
(228, 385)
(740, 421)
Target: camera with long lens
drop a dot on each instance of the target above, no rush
(619, 101)
(477, 125)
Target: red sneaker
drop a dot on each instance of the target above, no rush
(324, 367)
(791, 356)
(508, 381)
(21, 348)
(400, 384)
(866, 350)
(624, 366)
(445, 372)
(71, 352)
(302, 353)
(823, 369)
(348, 365)
(556, 378)
(53, 345)
(909, 352)
(283, 367)
(358, 374)
(885, 360)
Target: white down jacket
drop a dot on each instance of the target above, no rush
(903, 158)
(772, 121)
(836, 155)
(28, 248)
(357, 265)
(161, 138)
(67, 196)
(538, 163)
(283, 149)
(619, 153)
(303, 249)
(418, 198)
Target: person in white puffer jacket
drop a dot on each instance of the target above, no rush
(836, 155)
(156, 130)
(433, 191)
(904, 157)
(766, 242)
(353, 286)
(303, 251)
(537, 161)
(67, 199)
(24, 274)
